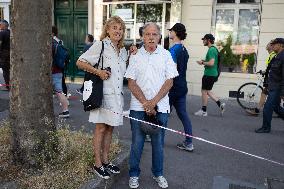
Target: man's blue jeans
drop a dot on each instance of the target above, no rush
(138, 139)
(272, 104)
(180, 105)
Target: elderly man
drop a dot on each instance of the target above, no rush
(275, 86)
(150, 76)
(5, 51)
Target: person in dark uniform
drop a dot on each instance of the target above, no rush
(88, 43)
(275, 86)
(5, 51)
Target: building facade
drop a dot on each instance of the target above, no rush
(250, 24)
(5, 9)
(253, 23)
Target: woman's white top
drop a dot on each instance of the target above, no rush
(150, 71)
(113, 86)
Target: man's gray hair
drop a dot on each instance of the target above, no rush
(151, 24)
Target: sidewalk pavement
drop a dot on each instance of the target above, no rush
(202, 168)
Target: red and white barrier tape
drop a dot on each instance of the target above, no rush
(3, 85)
(200, 139)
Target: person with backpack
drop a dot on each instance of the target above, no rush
(178, 92)
(58, 60)
(210, 76)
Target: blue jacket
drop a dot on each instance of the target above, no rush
(180, 57)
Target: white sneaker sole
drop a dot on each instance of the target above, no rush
(64, 116)
(134, 186)
(186, 149)
(203, 115)
(113, 172)
(104, 177)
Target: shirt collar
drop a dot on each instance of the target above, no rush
(107, 40)
(143, 50)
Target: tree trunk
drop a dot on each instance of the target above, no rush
(31, 104)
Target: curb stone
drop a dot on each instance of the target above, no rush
(121, 161)
(8, 185)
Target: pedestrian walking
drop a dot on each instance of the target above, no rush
(88, 43)
(5, 52)
(114, 57)
(210, 76)
(179, 90)
(275, 86)
(57, 75)
(264, 92)
(150, 76)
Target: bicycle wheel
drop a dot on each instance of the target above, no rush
(248, 95)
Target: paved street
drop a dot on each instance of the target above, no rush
(198, 170)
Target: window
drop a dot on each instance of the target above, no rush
(125, 11)
(238, 24)
(1, 13)
(62, 4)
(249, 1)
(225, 1)
(81, 4)
(136, 13)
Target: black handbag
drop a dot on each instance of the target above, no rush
(93, 88)
(151, 129)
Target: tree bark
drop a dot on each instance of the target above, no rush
(31, 104)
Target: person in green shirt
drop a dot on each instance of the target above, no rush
(210, 75)
(264, 93)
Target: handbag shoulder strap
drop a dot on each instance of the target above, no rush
(101, 57)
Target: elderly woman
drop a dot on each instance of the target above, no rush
(115, 57)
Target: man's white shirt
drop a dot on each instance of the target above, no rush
(150, 71)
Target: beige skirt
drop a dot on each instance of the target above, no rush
(111, 103)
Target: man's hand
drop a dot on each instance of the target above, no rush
(149, 105)
(200, 62)
(151, 112)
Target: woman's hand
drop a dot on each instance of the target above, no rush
(133, 49)
(104, 74)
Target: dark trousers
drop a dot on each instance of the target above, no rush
(6, 75)
(180, 105)
(272, 104)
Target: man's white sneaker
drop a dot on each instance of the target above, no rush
(222, 108)
(200, 113)
(133, 182)
(162, 182)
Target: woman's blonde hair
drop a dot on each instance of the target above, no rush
(109, 22)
